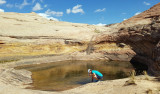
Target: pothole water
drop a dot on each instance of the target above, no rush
(59, 76)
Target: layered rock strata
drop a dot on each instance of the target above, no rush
(142, 34)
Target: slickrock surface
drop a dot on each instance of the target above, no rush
(31, 25)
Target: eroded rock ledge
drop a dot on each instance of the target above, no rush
(144, 39)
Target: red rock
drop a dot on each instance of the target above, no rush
(142, 33)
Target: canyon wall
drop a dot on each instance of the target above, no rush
(142, 34)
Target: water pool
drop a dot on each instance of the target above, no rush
(59, 76)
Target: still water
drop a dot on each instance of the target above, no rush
(59, 76)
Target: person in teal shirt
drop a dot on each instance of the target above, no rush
(95, 74)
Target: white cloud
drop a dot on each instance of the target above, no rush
(37, 7)
(2, 2)
(68, 11)
(1, 10)
(9, 5)
(54, 13)
(137, 13)
(25, 3)
(45, 5)
(100, 10)
(124, 19)
(47, 16)
(146, 3)
(75, 9)
(35, 0)
(100, 24)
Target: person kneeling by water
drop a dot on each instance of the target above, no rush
(95, 74)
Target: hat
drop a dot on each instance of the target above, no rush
(89, 70)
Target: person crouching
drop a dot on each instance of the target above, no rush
(95, 74)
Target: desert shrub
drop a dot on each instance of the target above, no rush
(97, 31)
(149, 91)
(146, 75)
(131, 81)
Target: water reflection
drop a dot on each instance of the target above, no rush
(69, 74)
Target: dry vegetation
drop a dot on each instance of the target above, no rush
(97, 31)
(30, 49)
(109, 47)
(146, 75)
(8, 60)
(131, 81)
(149, 91)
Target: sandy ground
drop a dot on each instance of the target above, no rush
(103, 87)
(117, 87)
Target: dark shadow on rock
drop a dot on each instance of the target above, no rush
(138, 65)
(84, 81)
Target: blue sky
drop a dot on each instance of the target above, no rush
(80, 11)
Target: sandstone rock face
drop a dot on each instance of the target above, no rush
(31, 25)
(142, 33)
(28, 34)
(15, 77)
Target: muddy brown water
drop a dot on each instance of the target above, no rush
(64, 75)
